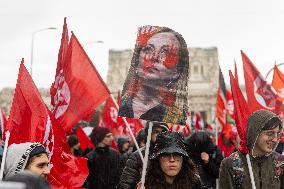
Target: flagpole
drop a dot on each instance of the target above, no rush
(129, 129)
(7, 137)
(146, 155)
(250, 172)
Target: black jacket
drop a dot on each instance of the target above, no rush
(131, 174)
(200, 142)
(103, 166)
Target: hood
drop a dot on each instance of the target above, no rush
(257, 122)
(120, 142)
(17, 157)
(200, 142)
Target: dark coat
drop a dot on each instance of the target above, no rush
(132, 171)
(267, 169)
(103, 166)
(200, 142)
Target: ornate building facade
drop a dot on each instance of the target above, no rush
(203, 79)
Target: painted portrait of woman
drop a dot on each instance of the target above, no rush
(156, 85)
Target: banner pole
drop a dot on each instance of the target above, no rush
(129, 129)
(7, 137)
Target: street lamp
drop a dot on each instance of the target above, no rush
(32, 47)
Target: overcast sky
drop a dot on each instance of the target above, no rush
(255, 26)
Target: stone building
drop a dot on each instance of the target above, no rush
(203, 80)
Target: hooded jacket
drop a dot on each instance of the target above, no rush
(267, 169)
(17, 157)
(200, 142)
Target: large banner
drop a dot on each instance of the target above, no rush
(156, 85)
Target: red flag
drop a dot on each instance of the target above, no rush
(236, 73)
(134, 124)
(82, 88)
(230, 108)
(3, 122)
(260, 94)
(199, 124)
(241, 113)
(278, 83)
(84, 140)
(29, 115)
(109, 114)
(221, 100)
(56, 88)
(67, 171)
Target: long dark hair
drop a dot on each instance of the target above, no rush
(187, 178)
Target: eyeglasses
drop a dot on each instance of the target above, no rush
(169, 157)
(271, 134)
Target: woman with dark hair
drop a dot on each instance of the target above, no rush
(170, 166)
(156, 86)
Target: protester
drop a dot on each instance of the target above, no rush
(103, 162)
(140, 138)
(26, 156)
(132, 172)
(31, 180)
(206, 156)
(264, 130)
(74, 145)
(123, 144)
(156, 86)
(170, 166)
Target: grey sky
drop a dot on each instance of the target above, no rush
(254, 26)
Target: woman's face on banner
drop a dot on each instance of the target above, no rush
(159, 58)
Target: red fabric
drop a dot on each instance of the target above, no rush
(278, 83)
(28, 115)
(241, 113)
(134, 124)
(209, 127)
(67, 172)
(3, 123)
(230, 105)
(199, 121)
(236, 74)
(82, 86)
(226, 149)
(89, 116)
(221, 108)
(84, 140)
(109, 114)
(60, 66)
(260, 94)
(183, 129)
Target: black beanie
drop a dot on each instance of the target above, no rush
(98, 134)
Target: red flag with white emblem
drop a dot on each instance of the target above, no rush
(260, 94)
(81, 88)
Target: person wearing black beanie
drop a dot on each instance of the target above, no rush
(103, 162)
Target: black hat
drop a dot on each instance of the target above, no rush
(156, 124)
(168, 143)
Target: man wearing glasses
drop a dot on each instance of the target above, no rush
(264, 130)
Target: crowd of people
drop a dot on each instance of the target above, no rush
(175, 161)
(156, 90)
